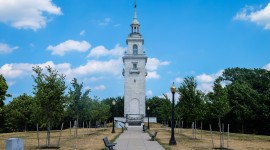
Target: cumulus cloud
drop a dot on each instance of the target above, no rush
(100, 51)
(152, 75)
(179, 80)
(112, 66)
(267, 67)
(99, 88)
(20, 70)
(260, 16)
(154, 63)
(27, 14)
(149, 93)
(206, 81)
(5, 48)
(69, 45)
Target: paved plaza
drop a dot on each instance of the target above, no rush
(135, 139)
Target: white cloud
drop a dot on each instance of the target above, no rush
(20, 70)
(112, 66)
(15, 70)
(27, 14)
(152, 75)
(206, 81)
(205, 78)
(259, 16)
(4, 48)
(179, 80)
(100, 51)
(267, 67)
(154, 63)
(169, 94)
(100, 88)
(69, 45)
(149, 93)
(11, 83)
(82, 32)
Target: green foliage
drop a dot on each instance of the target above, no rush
(191, 104)
(18, 113)
(248, 95)
(218, 101)
(77, 101)
(3, 90)
(49, 93)
(160, 107)
(99, 111)
(119, 107)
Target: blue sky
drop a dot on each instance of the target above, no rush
(86, 39)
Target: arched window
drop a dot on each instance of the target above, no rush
(135, 49)
(135, 29)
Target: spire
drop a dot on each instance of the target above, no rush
(135, 21)
(135, 15)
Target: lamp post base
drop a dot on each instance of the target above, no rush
(172, 141)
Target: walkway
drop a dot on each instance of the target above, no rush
(135, 139)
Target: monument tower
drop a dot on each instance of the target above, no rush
(134, 73)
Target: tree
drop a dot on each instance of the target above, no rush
(219, 104)
(249, 96)
(191, 101)
(119, 107)
(18, 113)
(3, 90)
(76, 97)
(3, 94)
(49, 92)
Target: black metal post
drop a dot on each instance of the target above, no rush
(172, 140)
(113, 131)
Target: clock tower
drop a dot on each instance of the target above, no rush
(134, 73)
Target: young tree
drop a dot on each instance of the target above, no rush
(219, 104)
(191, 102)
(49, 91)
(76, 97)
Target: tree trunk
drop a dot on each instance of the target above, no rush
(211, 136)
(37, 135)
(195, 129)
(243, 127)
(219, 125)
(48, 134)
(192, 126)
(201, 129)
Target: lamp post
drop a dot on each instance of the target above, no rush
(148, 117)
(172, 140)
(113, 104)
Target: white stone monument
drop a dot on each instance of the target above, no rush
(134, 73)
(14, 144)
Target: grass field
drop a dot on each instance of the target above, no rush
(185, 142)
(87, 139)
(91, 139)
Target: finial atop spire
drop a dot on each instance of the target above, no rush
(135, 15)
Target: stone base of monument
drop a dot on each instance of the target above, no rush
(122, 121)
(14, 144)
